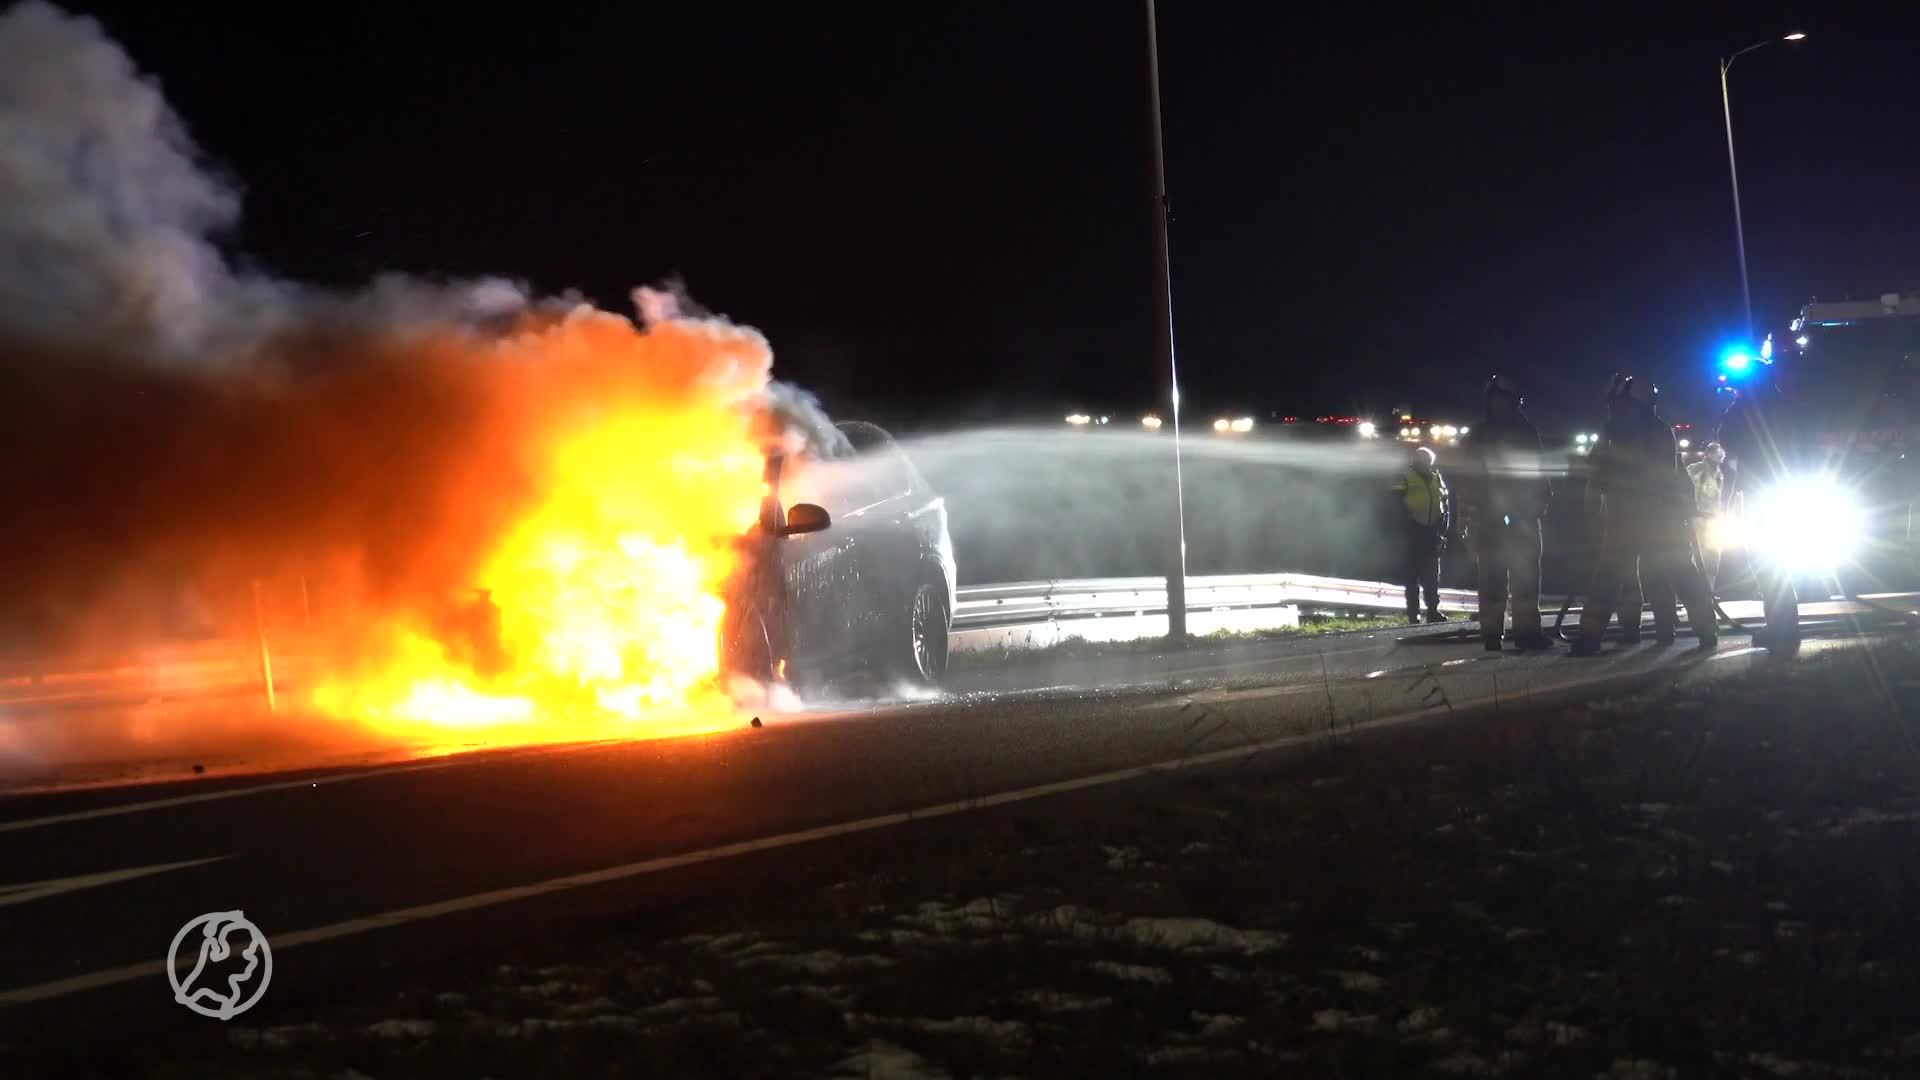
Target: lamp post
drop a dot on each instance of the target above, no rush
(1733, 171)
(1163, 329)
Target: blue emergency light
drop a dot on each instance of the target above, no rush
(1739, 361)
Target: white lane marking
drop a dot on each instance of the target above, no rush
(447, 762)
(40, 890)
(114, 976)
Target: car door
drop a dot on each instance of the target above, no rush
(885, 553)
(818, 569)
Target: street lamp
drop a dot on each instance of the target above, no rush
(1163, 329)
(1733, 171)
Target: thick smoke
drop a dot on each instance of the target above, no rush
(109, 217)
(172, 429)
(106, 214)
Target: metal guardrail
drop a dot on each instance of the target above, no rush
(983, 607)
(192, 670)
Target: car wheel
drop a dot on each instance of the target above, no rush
(927, 633)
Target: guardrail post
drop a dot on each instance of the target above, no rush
(266, 655)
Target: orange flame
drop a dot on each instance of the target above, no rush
(597, 611)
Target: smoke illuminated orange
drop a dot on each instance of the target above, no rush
(606, 588)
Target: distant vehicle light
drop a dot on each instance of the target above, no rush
(1243, 425)
(1738, 361)
(1795, 36)
(1103, 419)
(1684, 443)
(1079, 419)
(1801, 341)
(1449, 430)
(1463, 431)
(1150, 422)
(1581, 438)
(1367, 430)
(1223, 425)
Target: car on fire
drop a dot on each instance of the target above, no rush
(849, 572)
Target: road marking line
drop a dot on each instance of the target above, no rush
(396, 769)
(114, 976)
(40, 890)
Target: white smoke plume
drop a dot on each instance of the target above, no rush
(110, 217)
(106, 213)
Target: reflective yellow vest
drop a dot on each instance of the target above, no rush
(1425, 495)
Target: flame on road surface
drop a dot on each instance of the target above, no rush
(602, 600)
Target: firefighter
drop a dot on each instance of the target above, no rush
(1764, 437)
(1425, 509)
(1639, 591)
(1634, 599)
(1505, 492)
(1646, 508)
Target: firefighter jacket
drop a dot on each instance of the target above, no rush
(1502, 471)
(1637, 465)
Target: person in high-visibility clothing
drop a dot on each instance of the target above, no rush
(1504, 492)
(1647, 505)
(1712, 495)
(1425, 510)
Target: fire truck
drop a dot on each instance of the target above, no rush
(1841, 498)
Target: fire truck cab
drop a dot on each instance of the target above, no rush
(1845, 475)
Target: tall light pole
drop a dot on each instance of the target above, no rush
(1163, 329)
(1733, 171)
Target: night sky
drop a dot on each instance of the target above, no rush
(941, 212)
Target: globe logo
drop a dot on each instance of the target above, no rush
(231, 966)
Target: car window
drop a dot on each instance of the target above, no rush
(885, 473)
(838, 484)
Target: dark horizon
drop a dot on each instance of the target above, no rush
(947, 218)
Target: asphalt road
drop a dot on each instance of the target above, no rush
(394, 864)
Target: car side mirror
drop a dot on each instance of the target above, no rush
(805, 518)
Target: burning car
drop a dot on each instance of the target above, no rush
(848, 573)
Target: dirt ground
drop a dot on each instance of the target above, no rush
(1716, 882)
